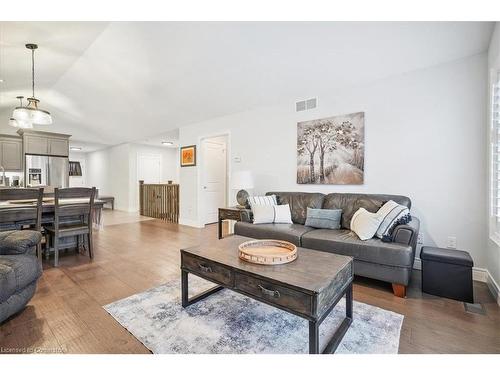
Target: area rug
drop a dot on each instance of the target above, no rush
(228, 322)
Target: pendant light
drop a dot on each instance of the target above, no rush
(31, 113)
(20, 123)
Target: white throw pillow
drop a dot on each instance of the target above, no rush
(282, 214)
(365, 224)
(266, 214)
(390, 213)
(263, 214)
(269, 200)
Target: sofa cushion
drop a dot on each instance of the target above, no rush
(299, 202)
(286, 232)
(345, 242)
(19, 241)
(16, 272)
(350, 203)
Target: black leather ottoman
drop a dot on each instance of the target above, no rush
(447, 273)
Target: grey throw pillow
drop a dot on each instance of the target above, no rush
(324, 219)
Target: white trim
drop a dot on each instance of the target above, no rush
(493, 287)
(190, 223)
(478, 274)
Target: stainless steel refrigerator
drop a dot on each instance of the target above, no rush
(51, 171)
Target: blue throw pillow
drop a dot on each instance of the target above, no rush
(324, 219)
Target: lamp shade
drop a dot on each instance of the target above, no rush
(20, 123)
(242, 180)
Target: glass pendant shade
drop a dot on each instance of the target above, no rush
(26, 116)
(31, 113)
(20, 123)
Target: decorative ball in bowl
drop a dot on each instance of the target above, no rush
(268, 252)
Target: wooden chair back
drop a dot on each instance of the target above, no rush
(24, 212)
(75, 201)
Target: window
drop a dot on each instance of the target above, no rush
(495, 158)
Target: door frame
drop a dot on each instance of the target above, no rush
(201, 162)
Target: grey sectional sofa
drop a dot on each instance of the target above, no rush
(20, 270)
(387, 261)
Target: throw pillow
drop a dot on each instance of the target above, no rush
(269, 200)
(325, 219)
(391, 213)
(263, 214)
(365, 224)
(282, 214)
(267, 214)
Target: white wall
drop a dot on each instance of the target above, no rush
(114, 171)
(98, 171)
(424, 138)
(169, 168)
(108, 171)
(493, 251)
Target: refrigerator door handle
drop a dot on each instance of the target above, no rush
(49, 183)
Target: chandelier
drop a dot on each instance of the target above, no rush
(26, 116)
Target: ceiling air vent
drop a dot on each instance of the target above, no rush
(304, 105)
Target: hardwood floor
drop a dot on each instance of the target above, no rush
(66, 313)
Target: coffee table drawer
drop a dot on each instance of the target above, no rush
(274, 294)
(207, 269)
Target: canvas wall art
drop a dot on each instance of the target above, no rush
(331, 150)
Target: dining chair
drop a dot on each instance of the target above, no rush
(73, 210)
(24, 209)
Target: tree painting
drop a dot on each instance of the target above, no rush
(331, 150)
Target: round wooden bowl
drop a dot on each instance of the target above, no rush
(268, 252)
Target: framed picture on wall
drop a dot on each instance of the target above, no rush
(331, 150)
(188, 156)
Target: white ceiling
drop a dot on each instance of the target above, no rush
(109, 83)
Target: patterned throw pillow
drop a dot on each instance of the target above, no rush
(268, 200)
(392, 214)
(324, 219)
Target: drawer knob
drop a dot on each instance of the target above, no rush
(270, 293)
(205, 268)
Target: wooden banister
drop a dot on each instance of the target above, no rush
(160, 201)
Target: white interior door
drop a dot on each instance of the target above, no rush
(149, 168)
(214, 179)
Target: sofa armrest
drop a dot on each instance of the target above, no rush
(247, 215)
(19, 242)
(407, 234)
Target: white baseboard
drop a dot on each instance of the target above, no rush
(494, 288)
(478, 274)
(190, 223)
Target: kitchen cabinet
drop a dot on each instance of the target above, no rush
(45, 143)
(34, 144)
(11, 153)
(58, 146)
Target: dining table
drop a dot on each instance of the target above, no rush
(12, 208)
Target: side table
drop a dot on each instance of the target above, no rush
(228, 213)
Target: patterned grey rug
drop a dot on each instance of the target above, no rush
(228, 322)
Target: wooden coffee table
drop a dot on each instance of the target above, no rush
(308, 287)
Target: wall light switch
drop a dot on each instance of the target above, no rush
(237, 159)
(452, 242)
(420, 238)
